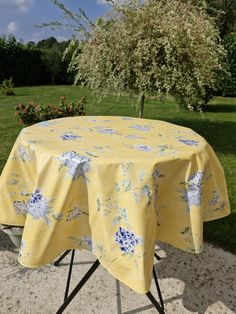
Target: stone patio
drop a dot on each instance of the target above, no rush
(203, 283)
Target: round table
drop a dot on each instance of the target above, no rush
(113, 185)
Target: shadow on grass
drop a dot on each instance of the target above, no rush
(220, 108)
(222, 231)
(220, 135)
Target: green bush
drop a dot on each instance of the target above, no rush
(34, 113)
(229, 84)
(7, 87)
(32, 64)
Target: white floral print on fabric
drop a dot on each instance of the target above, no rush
(141, 127)
(39, 206)
(126, 118)
(77, 165)
(23, 153)
(47, 123)
(192, 194)
(20, 207)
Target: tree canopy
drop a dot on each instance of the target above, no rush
(166, 46)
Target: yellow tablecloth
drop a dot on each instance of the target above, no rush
(114, 185)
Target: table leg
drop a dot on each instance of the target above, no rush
(157, 256)
(57, 262)
(155, 303)
(69, 275)
(78, 287)
(158, 288)
(68, 299)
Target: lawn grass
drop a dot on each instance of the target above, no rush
(217, 124)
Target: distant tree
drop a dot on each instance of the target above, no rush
(47, 43)
(165, 46)
(52, 58)
(10, 43)
(31, 44)
(224, 11)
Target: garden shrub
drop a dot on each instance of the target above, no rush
(7, 87)
(34, 113)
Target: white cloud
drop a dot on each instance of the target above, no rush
(19, 5)
(61, 38)
(101, 1)
(12, 27)
(24, 5)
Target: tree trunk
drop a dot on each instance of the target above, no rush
(141, 105)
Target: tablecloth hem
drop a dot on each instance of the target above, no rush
(112, 272)
(123, 280)
(217, 217)
(11, 224)
(49, 261)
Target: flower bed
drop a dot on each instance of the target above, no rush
(32, 113)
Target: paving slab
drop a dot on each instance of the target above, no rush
(202, 283)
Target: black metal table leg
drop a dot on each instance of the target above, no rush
(57, 262)
(157, 256)
(155, 303)
(68, 299)
(69, 275)
(78, 287)
(158, 288)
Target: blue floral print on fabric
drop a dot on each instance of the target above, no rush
(24, 155)
(127, 240)
(108, 131)
(69, 137)
(47, 123)
(189, 142)
(142, 147)
(39, 206)
(216, 203)
(22, 246)
(141, 127)
(77, 165)
(85, 240)
(193, 193)
(133, 136)
(214, 199)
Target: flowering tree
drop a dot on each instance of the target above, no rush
(165, 46)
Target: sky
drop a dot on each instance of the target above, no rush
(20, 17)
